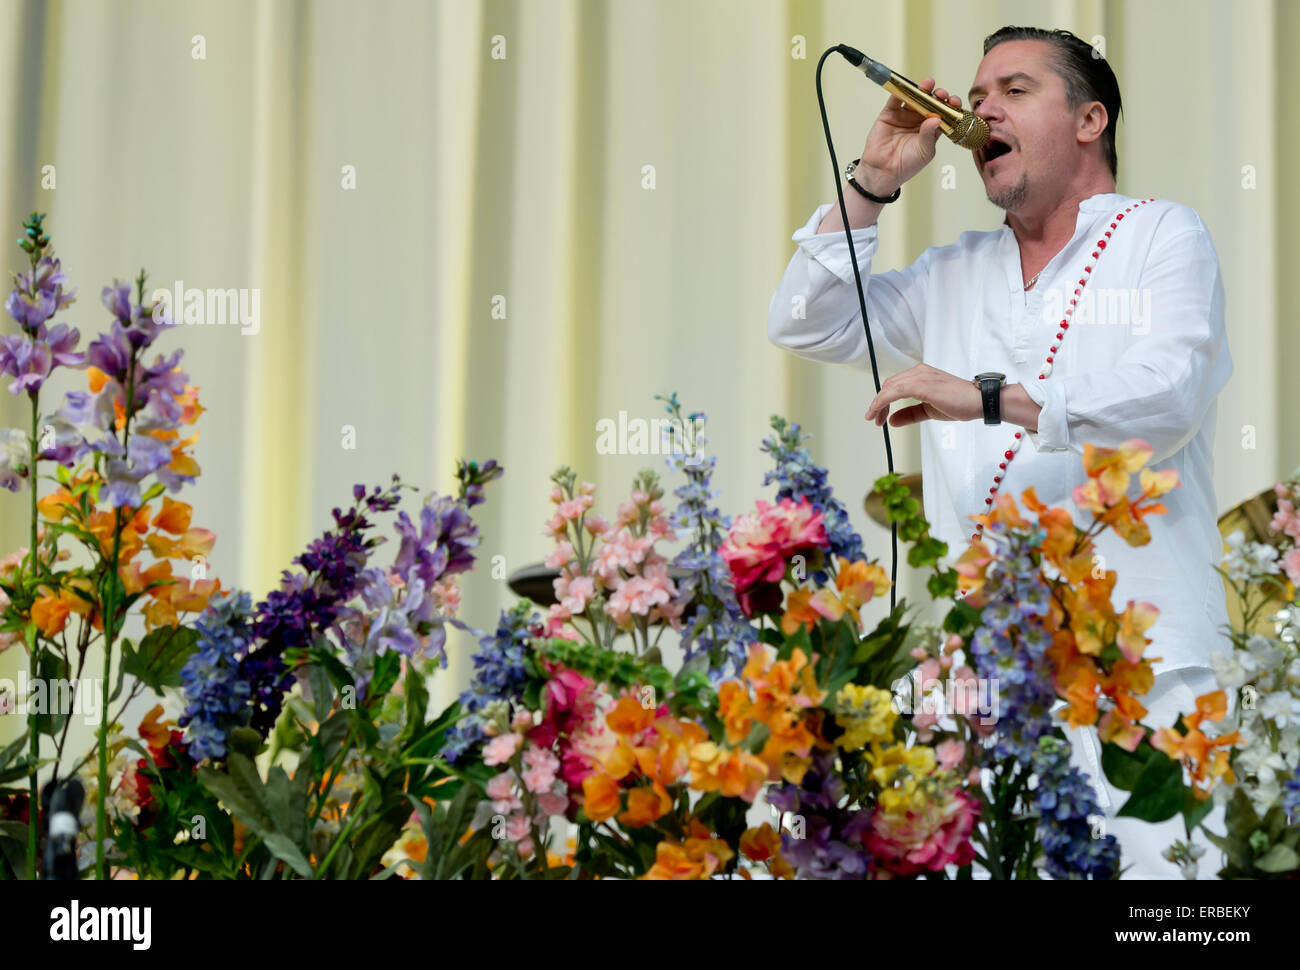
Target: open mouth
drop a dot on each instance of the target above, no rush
(995, 148)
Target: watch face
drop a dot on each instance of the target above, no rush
(993, 374)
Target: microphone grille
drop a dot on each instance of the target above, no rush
(970, 132)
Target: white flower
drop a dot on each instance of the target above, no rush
(1266, 654)
(1232, 670)
(13, 456)
(1265, 795)
(1281, 708)
(1293, 671)
(1263, 558)
(1188, 869)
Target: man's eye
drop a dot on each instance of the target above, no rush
(1016, 91)
(976, 102)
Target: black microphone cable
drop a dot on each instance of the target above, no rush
(862, 299)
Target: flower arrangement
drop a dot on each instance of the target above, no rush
(111, 452)
(1248, 758)
(796, 738)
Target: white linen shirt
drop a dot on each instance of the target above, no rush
(1145, 356)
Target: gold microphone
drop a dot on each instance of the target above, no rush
(961, 126)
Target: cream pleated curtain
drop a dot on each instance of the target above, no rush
(477, 227)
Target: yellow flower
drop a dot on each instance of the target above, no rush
(866, 714)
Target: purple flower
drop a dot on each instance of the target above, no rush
(117, 300)
(442, 545)
(27, 360)
(111, 353)
(38, 295)
(145, 455)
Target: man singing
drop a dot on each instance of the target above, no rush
(1092, 317)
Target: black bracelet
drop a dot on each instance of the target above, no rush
(848, 173)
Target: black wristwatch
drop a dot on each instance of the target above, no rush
(990, 385)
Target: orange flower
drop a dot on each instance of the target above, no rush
(600, 796)
(798, 613)
(50, 613)
(135, 579)
(152, 731)
(56, 505)
(734, 772)
(1202, 756)
(192, 597)
(763, 844)
(629, 717)
(858, 582)
(174, 517)
(699, 857)
(158, 613)
(1135, 621)
(646, 805)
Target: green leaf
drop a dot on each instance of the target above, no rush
(157, 662)
(267, 810)
(322, 693)
(1122, 767)
(1194, 810)
(1158, 791)
(1280, 858)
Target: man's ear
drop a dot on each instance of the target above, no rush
(1092, 121)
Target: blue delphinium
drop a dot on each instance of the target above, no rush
(1291, 799)
(718, 629)
(500, 674)
(215, 692)
(1009, 647)
(798, 475)
(1065, 800)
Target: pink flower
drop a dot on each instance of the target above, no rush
(950, 753)
(596, 524)
(499, 788)
(553, 802)
(501, 749)
(1291, 563)
(637, 595)
(517, 827)
(560, 556)
(761, 543)
(940, 835)
(539, 779)
(557, 494)
(924, 723)
(579, 593)
(572, 509)
(446, 593)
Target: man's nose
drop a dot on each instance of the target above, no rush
(988, 109)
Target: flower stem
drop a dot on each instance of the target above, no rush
(34, 738)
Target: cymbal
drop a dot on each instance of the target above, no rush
(875, 505)
(1253, 517)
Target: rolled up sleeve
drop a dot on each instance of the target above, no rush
(1166, 380)
(815, 313)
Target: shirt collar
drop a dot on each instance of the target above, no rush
(1101, 202)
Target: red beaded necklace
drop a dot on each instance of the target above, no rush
(1010, 453)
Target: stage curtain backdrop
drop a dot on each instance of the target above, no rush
(620, 178)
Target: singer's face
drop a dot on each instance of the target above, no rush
(1023, 100)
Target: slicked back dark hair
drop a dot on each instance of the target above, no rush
(1086, 74)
